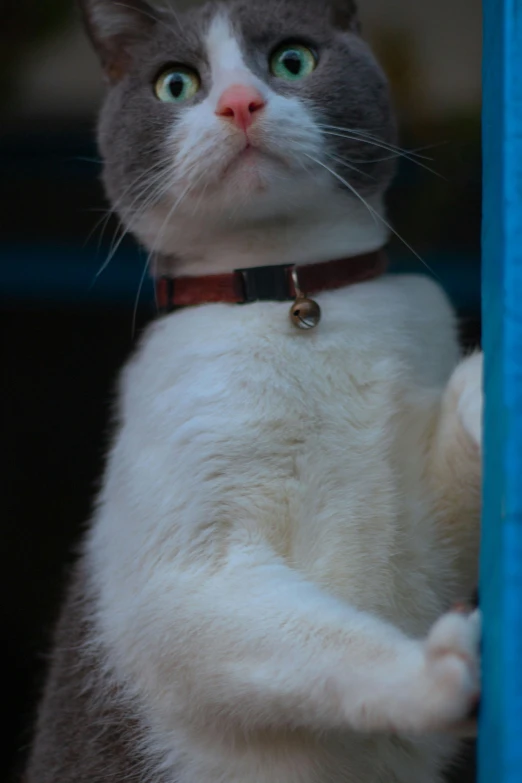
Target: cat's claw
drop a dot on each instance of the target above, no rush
(452, 670)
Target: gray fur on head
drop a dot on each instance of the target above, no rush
(346, 98)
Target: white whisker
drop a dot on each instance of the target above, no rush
(158, 166)
(158, 240)
(396, 155)
(343, 162)
(157, 193)
(137, 302)
(103, 222)
(374, 137)
(81, 159)
(372, 211)
(384, 146)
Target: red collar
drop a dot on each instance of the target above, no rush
(269, 283)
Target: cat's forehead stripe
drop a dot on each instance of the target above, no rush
(226, 59)
(223, 48)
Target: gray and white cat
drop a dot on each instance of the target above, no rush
(286, 517)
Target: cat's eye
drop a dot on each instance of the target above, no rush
(177, 84)
(293, 61)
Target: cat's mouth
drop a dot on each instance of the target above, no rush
(253, 158)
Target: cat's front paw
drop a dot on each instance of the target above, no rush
(467, 382)
(451, 671)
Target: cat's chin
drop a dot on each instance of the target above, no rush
(251, 170)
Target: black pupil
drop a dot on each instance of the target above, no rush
(176, 85)
(292, 62)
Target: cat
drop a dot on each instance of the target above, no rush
(287, 516)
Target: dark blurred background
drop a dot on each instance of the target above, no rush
(66, 332)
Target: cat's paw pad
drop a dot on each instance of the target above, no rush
(467, 381)
(452, 669)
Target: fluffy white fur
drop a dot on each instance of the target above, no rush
(285, 518)
(276, 538)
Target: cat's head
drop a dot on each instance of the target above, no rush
(241, 110)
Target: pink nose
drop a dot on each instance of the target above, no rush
(240, 103)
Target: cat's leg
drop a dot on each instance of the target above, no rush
(255, 647)
(455, 466)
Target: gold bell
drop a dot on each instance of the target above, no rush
(305, 313)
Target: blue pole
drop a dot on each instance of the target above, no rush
(500, 736)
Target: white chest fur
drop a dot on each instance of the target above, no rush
(259, 466)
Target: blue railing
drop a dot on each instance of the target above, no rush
(500, 735)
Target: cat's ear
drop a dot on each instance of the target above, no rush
(113, 25)
(345, 15)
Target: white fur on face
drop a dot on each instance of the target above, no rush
(207, 146)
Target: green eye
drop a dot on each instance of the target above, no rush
(293, 61)
(177, 85)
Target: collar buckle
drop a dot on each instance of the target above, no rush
(265, 283)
